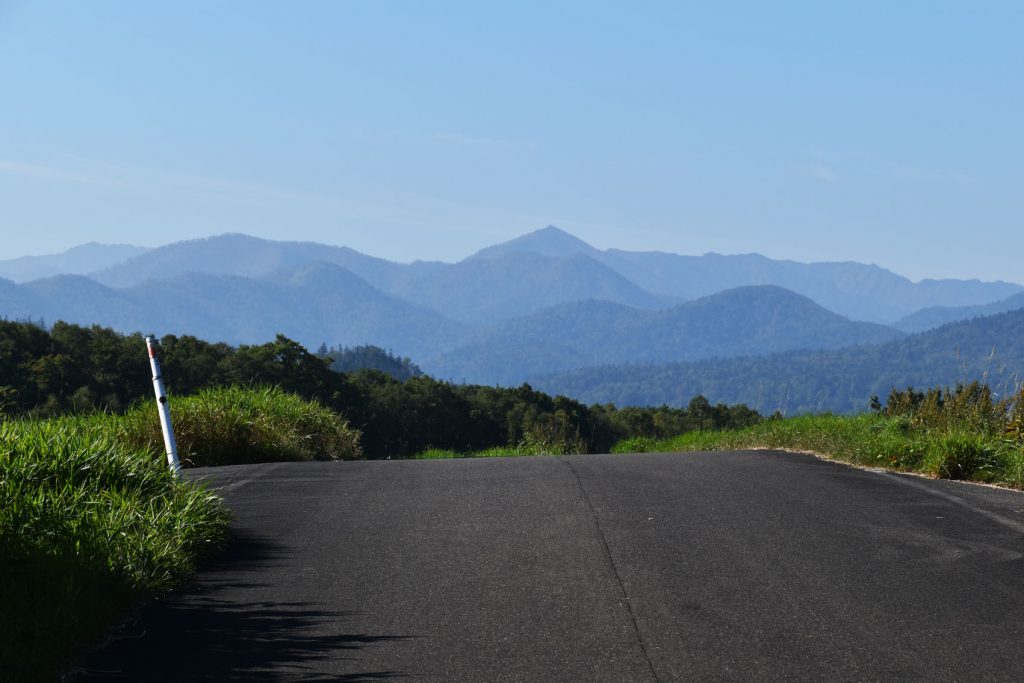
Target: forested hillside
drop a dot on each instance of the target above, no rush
(739, 322)
(988, 349)
(936, 316)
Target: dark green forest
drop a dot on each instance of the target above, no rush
(368, 357)
(69, 368)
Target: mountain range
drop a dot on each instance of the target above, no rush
(738, 322)
(534, 308)
(858, 291)
(989, 349)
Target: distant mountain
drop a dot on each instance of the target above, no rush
(481, 291)
(550, 266)
(79, 299)
(590, 306)
(313, 303)
(79, 260)
(742, 321)
(856, 290)
(549, 241)
(842, 380)
(17, 303)
(471, 291)
(936, 316)
(241, 255)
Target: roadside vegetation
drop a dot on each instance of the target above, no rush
(963, 432)
(234, 426)
(92, 523)
(89, 527)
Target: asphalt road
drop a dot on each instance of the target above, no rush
(729, 566)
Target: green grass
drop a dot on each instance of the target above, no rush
(868, 440)
(952, 450)
(437, 454)
(88, 528)
(446, 454)
(234, 425)
(525, 448)
(92, 523)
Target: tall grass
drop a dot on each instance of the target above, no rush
(91, 521)
(88, 526)
(870, 440)
(235, 425)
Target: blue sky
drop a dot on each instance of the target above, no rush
(883, 132)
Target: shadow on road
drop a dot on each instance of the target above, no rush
(206, 633)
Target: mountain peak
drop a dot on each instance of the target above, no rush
(548, 241)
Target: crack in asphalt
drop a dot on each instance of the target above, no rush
(615, 570)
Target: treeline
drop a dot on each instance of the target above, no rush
(70, 368)
(368, 357)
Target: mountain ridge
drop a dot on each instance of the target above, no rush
(741, 321)
(936, 316)
(77, 260)
(344, 308)
(989, 349)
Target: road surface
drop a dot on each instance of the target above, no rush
(658, 567)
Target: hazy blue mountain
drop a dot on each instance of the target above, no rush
(549, 241)
(550, 266)
(79, 260)
(488, 290)
(742, 321)
(240, 288)
(474, 292)
(935, 316)
(242, 255)
(856, 290)
(17, 303)
(840, 380)
(312, 303)
(81, 300)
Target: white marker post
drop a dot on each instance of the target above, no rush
(165, 410)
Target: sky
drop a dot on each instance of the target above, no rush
(881, 132)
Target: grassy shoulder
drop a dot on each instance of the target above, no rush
(558, 445)
(966, 432)
(88, 527)
(236, 425)
(874, 440)
(92, 523)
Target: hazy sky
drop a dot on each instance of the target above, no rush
(885, 132)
